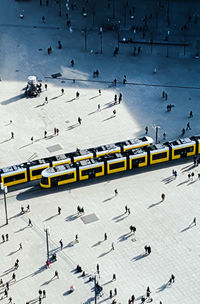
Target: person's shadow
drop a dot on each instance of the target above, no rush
(155, 204)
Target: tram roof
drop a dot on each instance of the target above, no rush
(181, 141)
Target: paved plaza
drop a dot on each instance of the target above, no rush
(167, 227)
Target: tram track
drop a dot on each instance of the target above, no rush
(127, 83)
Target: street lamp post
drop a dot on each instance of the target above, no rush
(60, 14)
(184, 41)
(95, 289)
(5, 191)
(151, 42)
(46, 230)
(118, 34)
(101, 32)
(113, 9)
(157, 134)
(125, 16)
(85, 37)
(168, 33)
(134, 32)
(93, 15)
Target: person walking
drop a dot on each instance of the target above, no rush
(12, 135)
(115, 291)
(13, 276)
(133, 299)
(99, 107)
(7, 237)
(105, 237)
(30, 222)
(116, 192)
(146, 130)
(99, 92)
(47, 263)
(72, 63)
(162, 197)
(45, 86)
(112, 246)
(44, 293)
(98, 268)
(164, 136)
(62, 91)
(59, 45)
(183, 132)
(194, 221)
(40, 292)
(43, 19)
(59, 210)
(77, 94)
(172, 278)
(124, 79)
(3, 238)
(114, 277)
(61, 244)
(188, 126)
(56, 274)
(120, 97)
(79, 120)
(111, 294)
(148, 292)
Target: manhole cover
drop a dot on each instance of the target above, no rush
(89, 218)
(54, 148)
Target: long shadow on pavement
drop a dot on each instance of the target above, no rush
(155, 204)
(163, 287)
(71, 217)
(124, 237)
(108, 199)
(139, 257)
(50, 218)
(187, 228)
(104, 253)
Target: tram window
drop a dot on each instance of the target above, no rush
(139, 160)
(98, 169)
(183, 150)
(44, 181)
(37, 172)
(64, 177)
(14, 177)
(85, 172)
(159, 155)
(92, 170)
(117, 165)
